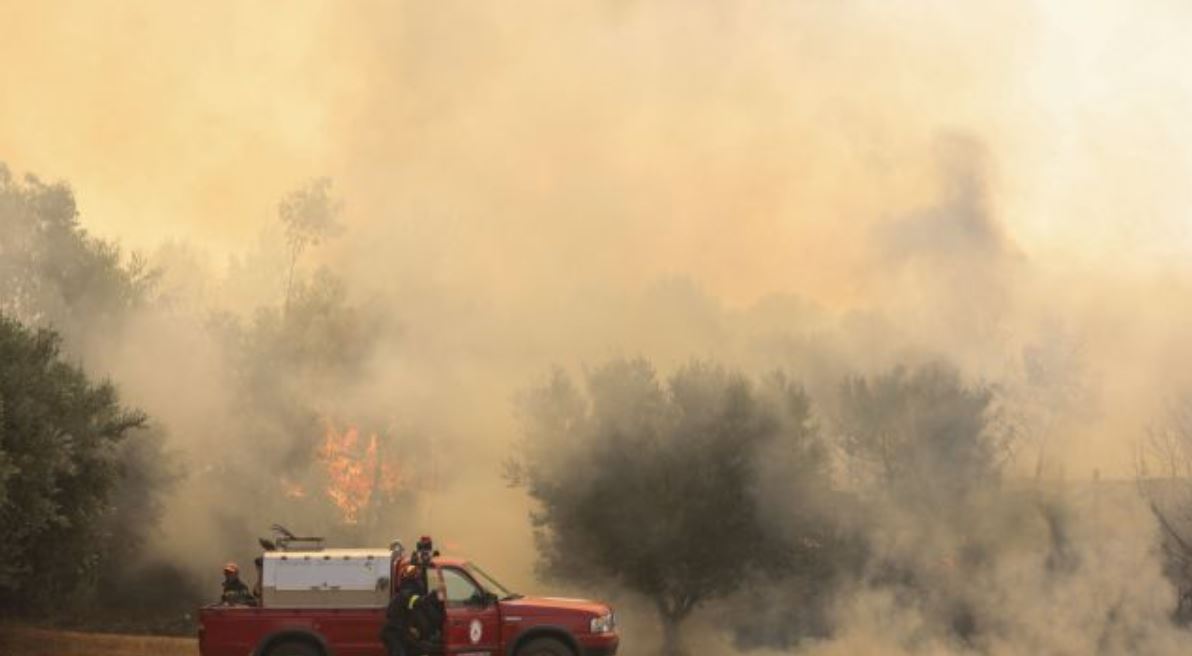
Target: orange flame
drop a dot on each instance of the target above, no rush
(357, 474)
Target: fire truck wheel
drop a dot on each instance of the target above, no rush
(544, 647)
(292, 648)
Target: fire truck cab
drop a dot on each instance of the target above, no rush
(332, 602)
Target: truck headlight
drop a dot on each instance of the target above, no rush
(604, 624)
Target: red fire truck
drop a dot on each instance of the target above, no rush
(331, 602)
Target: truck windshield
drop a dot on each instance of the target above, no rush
(490, 583)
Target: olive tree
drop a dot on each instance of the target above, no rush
(923, 434)
(926, 449)
(653, 485)
(60, 446)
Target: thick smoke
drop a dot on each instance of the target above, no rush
(834, 189)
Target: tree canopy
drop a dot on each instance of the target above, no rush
(923, 433)
(52, 272)
(60, 438)
(653, 484)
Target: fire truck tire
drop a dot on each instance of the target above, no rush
(294, 648)
(544, 647)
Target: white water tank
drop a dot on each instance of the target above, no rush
(330, 578)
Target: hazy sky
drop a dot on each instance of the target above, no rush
(737, 142)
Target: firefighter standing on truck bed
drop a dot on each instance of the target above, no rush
(235, 592)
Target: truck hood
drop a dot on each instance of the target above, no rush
(553, 605)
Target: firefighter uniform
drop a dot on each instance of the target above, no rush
(235, 593)
(413, 620)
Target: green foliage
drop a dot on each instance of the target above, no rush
(309, 215)
(926, 435)
(52, 272)
(285, 362)
(321, 336)
(61, 440)
(295, 372)
(930, 449)
(655, 486)
(80, 477)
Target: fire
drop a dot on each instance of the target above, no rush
(358, 474)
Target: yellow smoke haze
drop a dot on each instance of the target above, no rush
(749, 143)
(538, 182)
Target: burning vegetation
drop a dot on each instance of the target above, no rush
(360, 476)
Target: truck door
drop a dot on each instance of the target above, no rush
(473, 618)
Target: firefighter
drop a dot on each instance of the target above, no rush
(427, 614)
(413, 621)
(393, 633)
(235, 593)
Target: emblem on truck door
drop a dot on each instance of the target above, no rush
(475, 631)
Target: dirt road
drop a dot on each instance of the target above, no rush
(25, 641)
